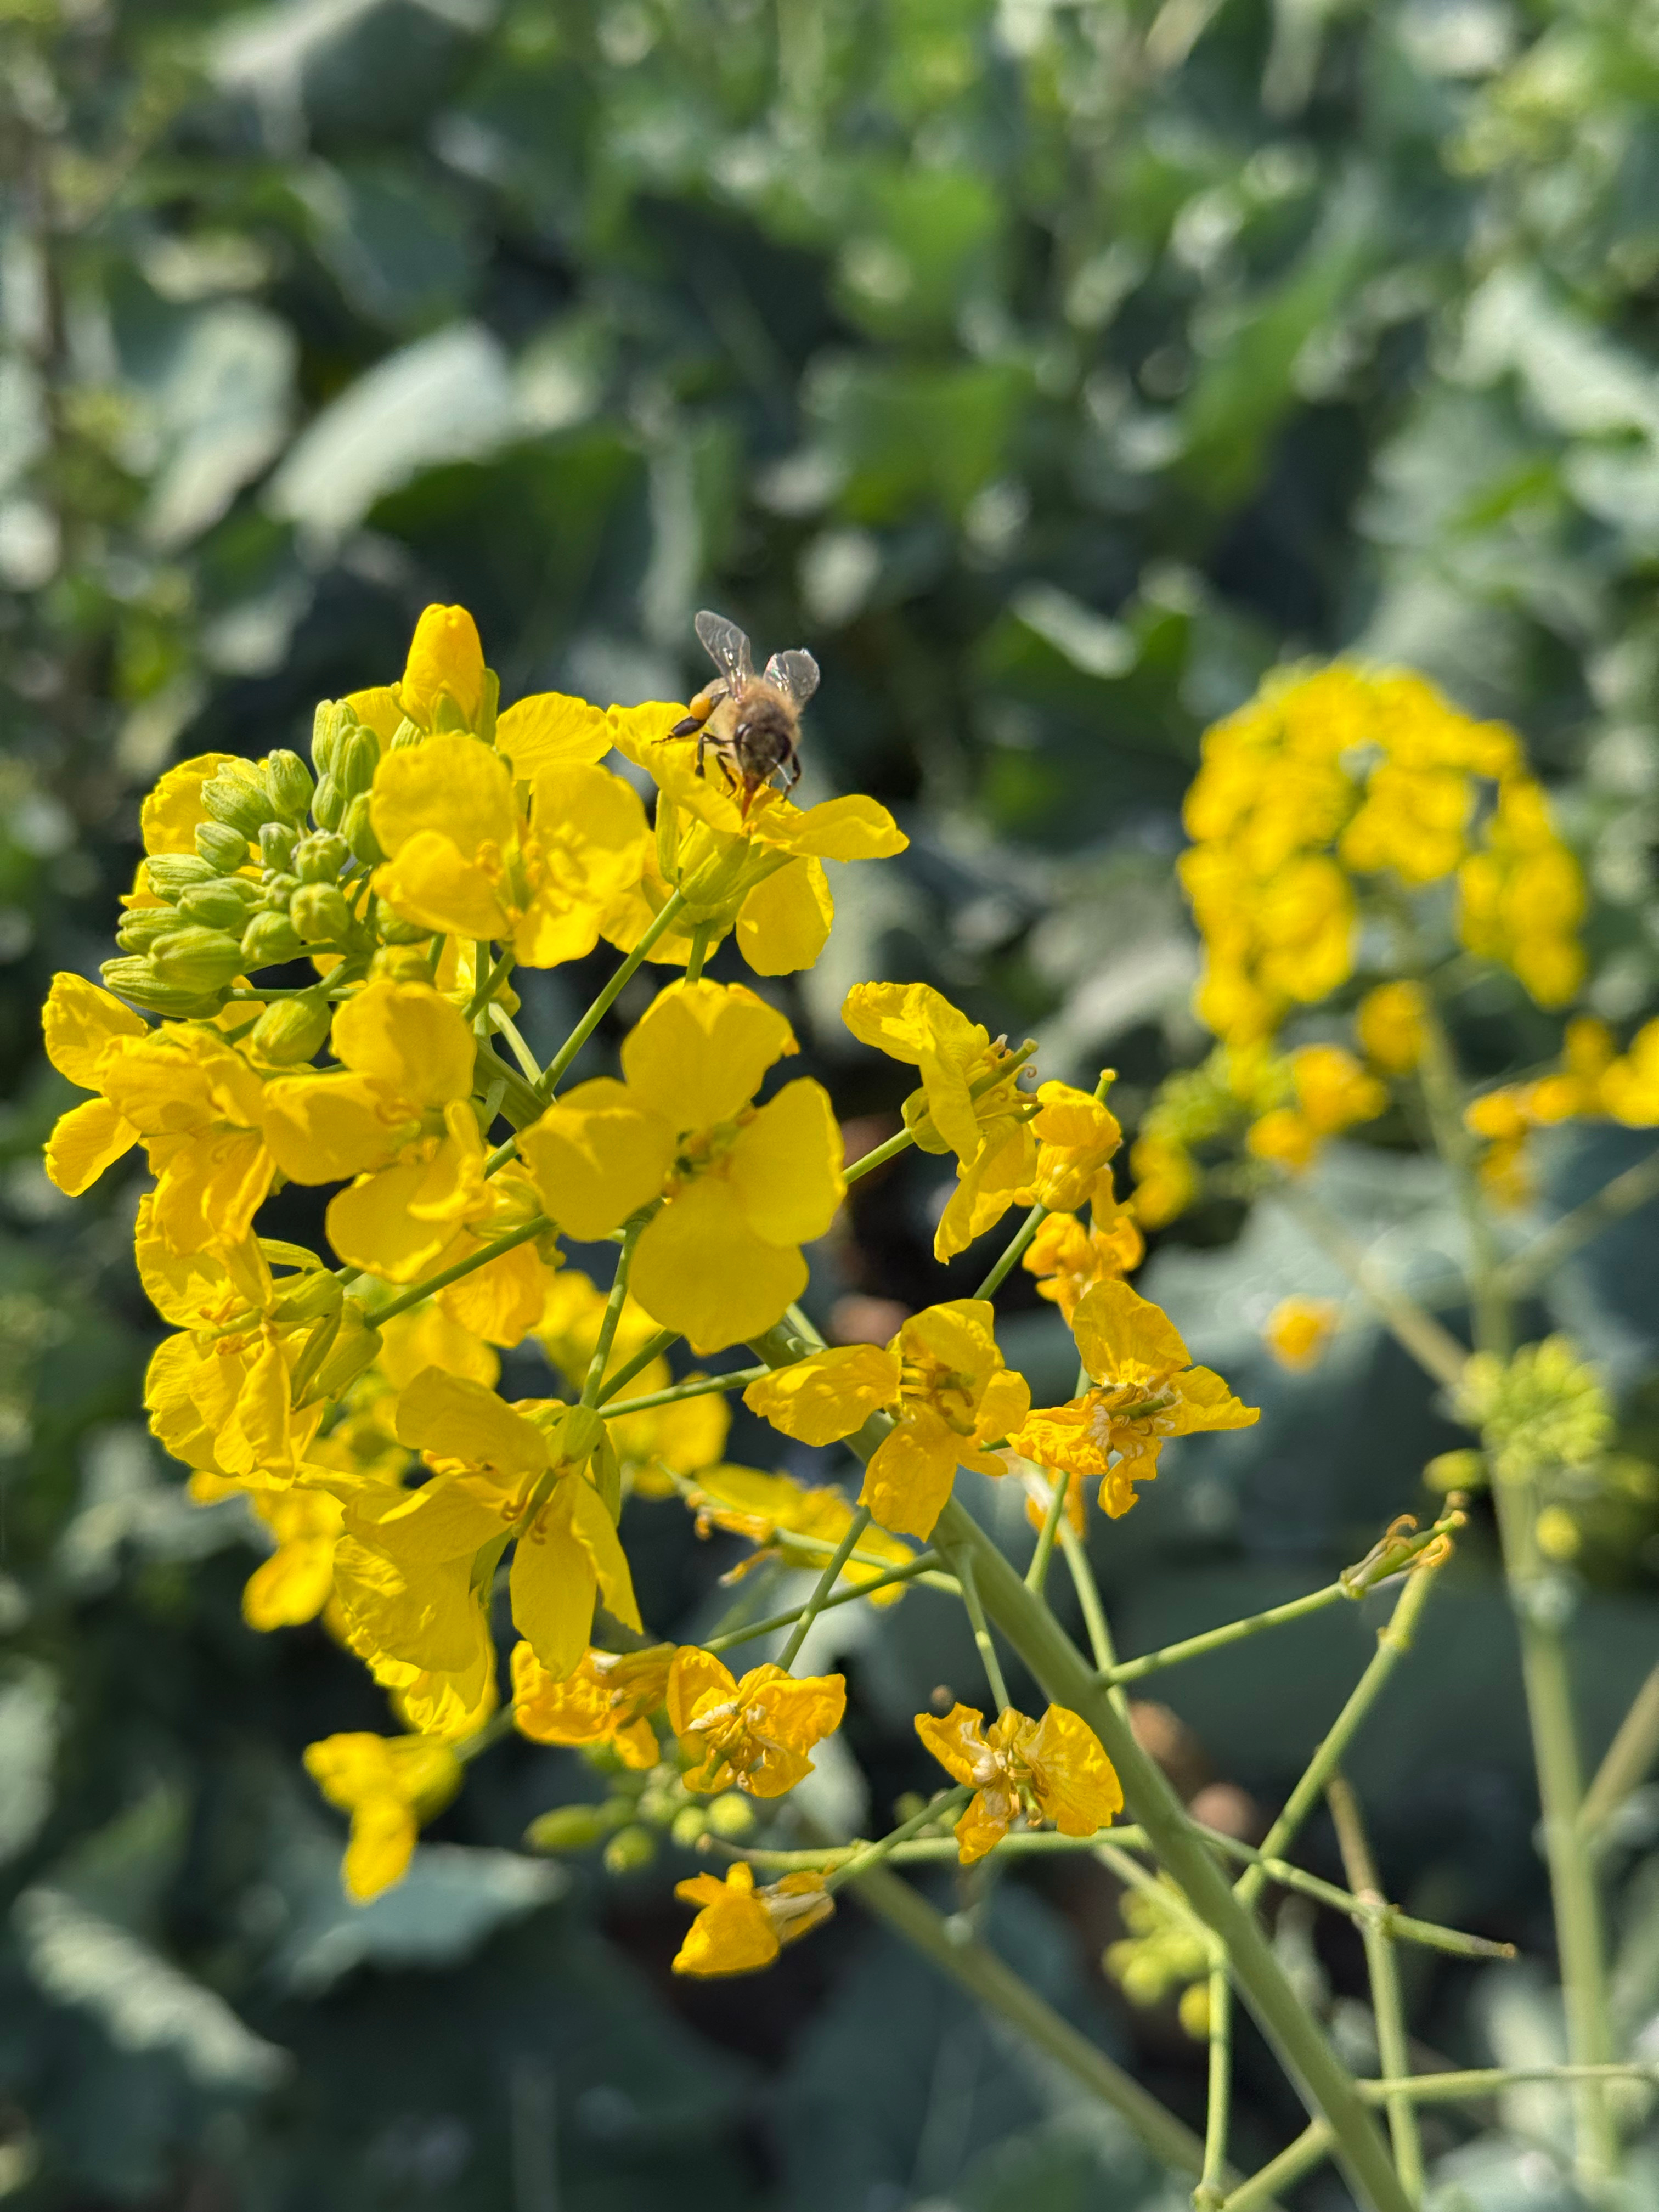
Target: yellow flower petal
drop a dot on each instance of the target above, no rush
(372, 1225)
(957, 1740)
(1074, 1781)
(697, 1054)
(853, 828)
(549, 729)
(410, 1037)
(168, 818)
(700, 1270)
(597, 1155)
(451, 1420)
(908, 1482)
(321, 1128)
(78, 1022)
(785, 1167)
(785, 922)
(84, 1141)
(1115, 1326)
(432, 883)
(453, 785)
(820, 1400)
(555, 1584)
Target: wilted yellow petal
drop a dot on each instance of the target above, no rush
(908, 1482)
(1115, 1326)
(1074, 1781)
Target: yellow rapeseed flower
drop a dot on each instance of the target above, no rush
(83, 1026)
(1077, 1139)
(1146, 1389)
(1389, 1023)
(1067, 1258)
(745, 1186)
(968, 1104)
(1054, 1769)
(389, 1785)
(1297, 1330)
(946, 1386)
(739, 1928)
(771, 1509)
(1333, 1092)
(752, 1735)
(609, 1700)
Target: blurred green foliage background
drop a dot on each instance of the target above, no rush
(1051, 369)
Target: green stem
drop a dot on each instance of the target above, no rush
(1628, 1761)
(556, 1068)
(1012, 1250)
(826, 1582)
(1037, 1573)
(1546, 1676)
(1310, 2149)
(1088, 1598)
(613, 1305)
(1212, 2184)
(1388, 2007)
(1488, 2081)
(975, 1968)
(412, 1297)
(1398, 1924)
(869, 1855)
(487, 988)
(699, 1386)
(700, 936)
(919, 1566)
(529, 1067)
(652, 1349)
(1392, 1645)
(904, 1140)
(1627, 1192)
(1066, 1679)
(963, 1564)
(1218, 1639)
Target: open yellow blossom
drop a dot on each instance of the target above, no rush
(389, 1785)
(1333, 1092)
(413, 1576)
(501, 1300)
(770, 1510)
(398, 1118)
(1592, 1078)
(758, 875)
(1067, 1258)
(1297, 1330)
(1629, 1085)
(82, 1026)
(170, 816)
(739, 1928)
(1077, 1137)
(1389, 1023)
(752, 1735)
(947, 1388)
(1521, 899)
(1054, 1769)
(609, 1700)
(968, 1102)
(198, 1108)
(1146, 1388)
(463, 857)
(223, 1404)
(745, 1186)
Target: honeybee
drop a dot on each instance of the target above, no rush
(750, 723)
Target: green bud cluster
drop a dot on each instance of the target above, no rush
(1545, 1409)
(638, 1807)
(278, 872)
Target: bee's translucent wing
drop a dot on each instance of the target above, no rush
(725, 645)
(797, 673)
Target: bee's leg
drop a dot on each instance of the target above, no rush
(688, 727)
(791, 771)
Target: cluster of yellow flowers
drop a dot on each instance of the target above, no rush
(436, 842)
(1594, 1079)
(1334, 801)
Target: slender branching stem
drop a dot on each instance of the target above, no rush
(826, 1582)
(1388, 2007)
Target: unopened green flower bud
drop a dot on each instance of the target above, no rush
(393, 929)
(239, 797)
(358, 831)
(1455, 1470)
(332, 718)
(308, 1295)
(268, 940)
(320, 913)
(198, 959)
(730, 1814)
(568, 1828)
(277, 890)
(277, 843)
(290, 784)
(226, 903)
(630, 1851)
(319, 858)
(407, 733)
(138, 981)
(356, 760)
(688, 1826)
(292, 1031)
(141, 926)
(170, 873)
(356, 1345)
(329, 805)
(223, 850)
